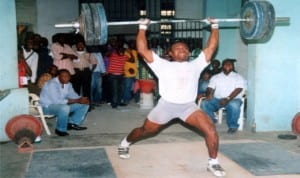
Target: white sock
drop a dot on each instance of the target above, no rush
(212, 161)
(125, 143)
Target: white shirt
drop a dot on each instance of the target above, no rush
(224, 85)
(178, 81)
(32, 62)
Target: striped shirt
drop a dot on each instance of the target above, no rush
(116, 64)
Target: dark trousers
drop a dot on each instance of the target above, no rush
(106, 91)
(116, 86)
(81, 82)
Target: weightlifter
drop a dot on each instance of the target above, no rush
(178, 83)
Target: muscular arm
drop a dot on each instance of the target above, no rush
(235, 92)
(142, 46)
(68, 56)
(82, 100)
(212, 44)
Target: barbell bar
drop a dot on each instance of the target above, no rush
(257, 22)
(76, 24)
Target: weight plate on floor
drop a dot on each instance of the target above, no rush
(262, 25)
(23, 122)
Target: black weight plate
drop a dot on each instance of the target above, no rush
(86, 24)
(268, 22)
(263, 20)
(103, 24)
(247, 29)
(96, 24)
(93, 24)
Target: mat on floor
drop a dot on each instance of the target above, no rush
(262, 158)
(78, 163)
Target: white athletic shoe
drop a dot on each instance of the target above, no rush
(38, 139)
(216, 169)
(123, 152)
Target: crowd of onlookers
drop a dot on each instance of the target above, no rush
(101, 73)
(104, 74)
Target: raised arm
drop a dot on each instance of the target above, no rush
(213, 40)
(141, 41)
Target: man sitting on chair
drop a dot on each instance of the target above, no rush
(225, 90)
(59, 98)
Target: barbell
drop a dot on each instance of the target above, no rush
(257, 22)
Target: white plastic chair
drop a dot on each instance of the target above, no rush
(219, 115)
(37, 111)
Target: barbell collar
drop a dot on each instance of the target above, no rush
(68, 25)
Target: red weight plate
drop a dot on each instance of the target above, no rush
(296, 124)
(20, 122)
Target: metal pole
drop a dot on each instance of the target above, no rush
(175, 21)
(77, 25)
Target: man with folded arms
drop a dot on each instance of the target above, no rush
(59, 98)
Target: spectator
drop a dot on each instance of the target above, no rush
(106, 92)
(225, 90)
(130, 72)
(59, 98)
(203, 83)
(31, 58)
(215, 64)
(96, 84)
(116, 71)
(45, 60)
(83, 67)
(62, 53)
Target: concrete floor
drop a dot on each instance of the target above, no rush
(107, 126)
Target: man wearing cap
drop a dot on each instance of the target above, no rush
(225, 90)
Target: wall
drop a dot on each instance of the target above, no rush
(27, 13)
(51, 12)
(274, 73)
(16, 102)
(191, 9)
(230, 44)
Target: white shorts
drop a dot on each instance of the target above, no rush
(165, 111)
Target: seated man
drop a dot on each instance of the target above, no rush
(225, 90)
(59, 98)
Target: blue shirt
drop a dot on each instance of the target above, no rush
(53, 92)
(202, 86)
(100, 65)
